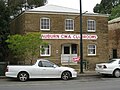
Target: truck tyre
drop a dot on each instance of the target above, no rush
(65, 75)
(23, 76)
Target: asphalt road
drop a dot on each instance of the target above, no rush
(80, 83)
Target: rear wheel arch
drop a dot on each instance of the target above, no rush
(24, 72)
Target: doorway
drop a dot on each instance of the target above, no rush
(114, 53)
(69, 51)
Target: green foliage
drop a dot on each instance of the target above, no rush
(16, 44)
(12, 8)
(108, 7)
(17, 6)
(4, 29)
(36, 3)
(115, 12)
(25, 46)
(104, 7)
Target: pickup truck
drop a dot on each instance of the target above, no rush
(41, 69)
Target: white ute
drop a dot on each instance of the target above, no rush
(41, 69)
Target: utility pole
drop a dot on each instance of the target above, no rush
(81, 44)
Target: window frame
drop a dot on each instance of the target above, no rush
(46, 51)
(91, 54)
(66, 25)
(44, 29)
(91, 25)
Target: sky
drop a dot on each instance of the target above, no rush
(87, 5)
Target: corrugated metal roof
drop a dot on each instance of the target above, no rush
(54, 8)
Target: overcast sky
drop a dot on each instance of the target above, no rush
(87, 5)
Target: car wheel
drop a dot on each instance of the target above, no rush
(117, 73)
(65, 75)
(23, 76)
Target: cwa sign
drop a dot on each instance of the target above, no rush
(69, 36)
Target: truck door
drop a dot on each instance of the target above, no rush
(49, 71)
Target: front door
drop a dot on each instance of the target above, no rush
(46, 69)
(68, 52)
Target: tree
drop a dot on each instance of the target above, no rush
(105, 7)
(18, 6)
(4, 29)
(25, 46)
(12, 8)
(115, 12)
(36, 3)
(108, 7)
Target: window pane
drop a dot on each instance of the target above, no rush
(92, 49)
(47, 64)
(91, 25)
(40, 64)
(69, 24)
(74, 49)
(45, 50)
(45, 23)
(66, 50)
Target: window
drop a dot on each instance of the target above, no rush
(66, 50)
(45, 50)
(91, 49)
(119, 62)
(45, 24)
(74, 48)
(47, 64)
(40, 64)
(91, 25)
(69, 25)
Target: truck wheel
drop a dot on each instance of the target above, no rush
(65, 75)
(116, 73)
(23, 76)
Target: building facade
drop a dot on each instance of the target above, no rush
(114, 39)
(60, 28)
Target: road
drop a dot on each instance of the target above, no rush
(80, 83)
